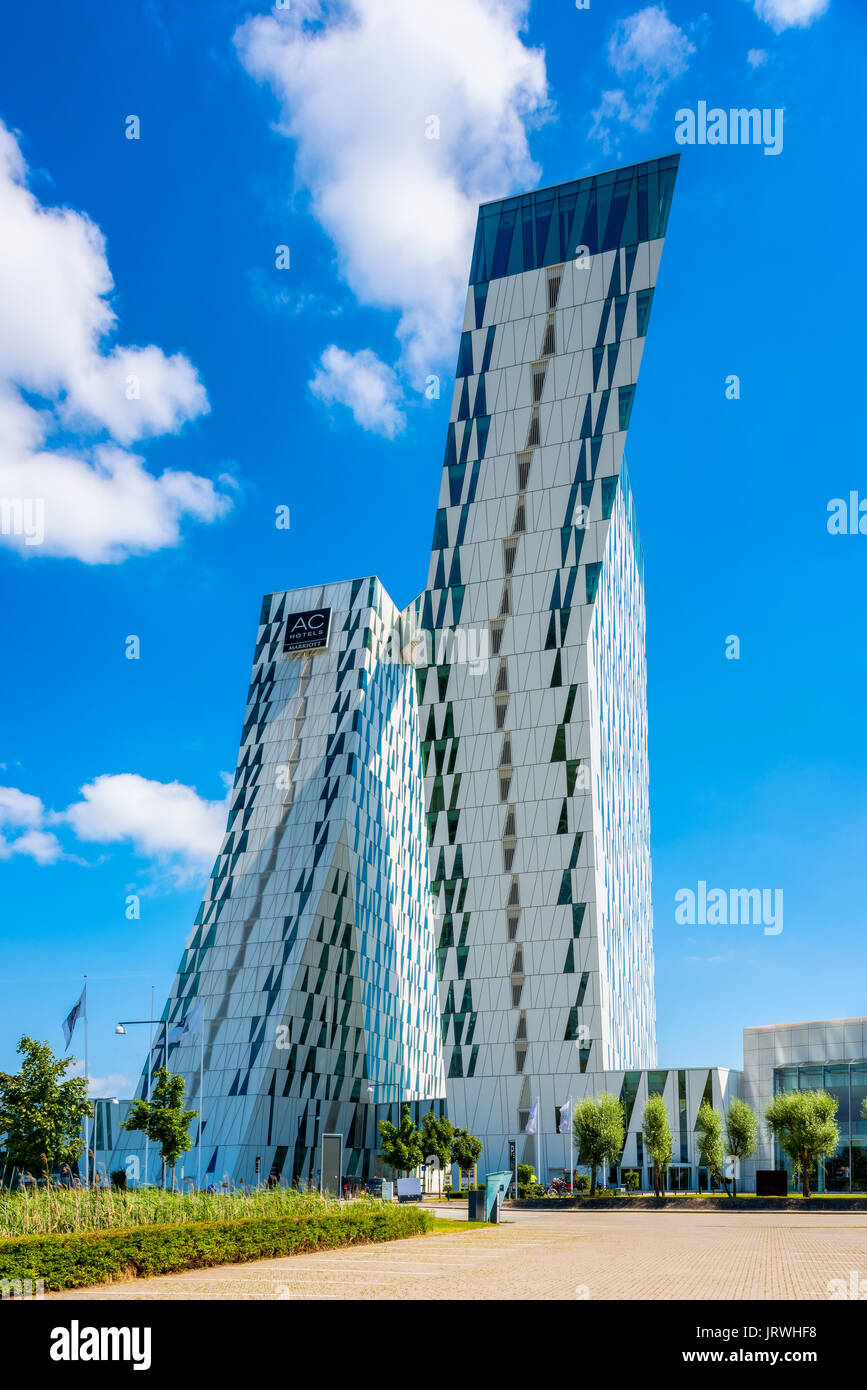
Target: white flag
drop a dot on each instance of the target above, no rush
(189, 1026)
(565, 1117)
(73, 1016)
(532, 1119)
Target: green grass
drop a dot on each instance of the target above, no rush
(446, 1224)
(89, 1257)
(58, 1211)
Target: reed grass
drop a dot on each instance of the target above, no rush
(57, 1210)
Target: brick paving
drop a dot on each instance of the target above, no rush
(556, 1255)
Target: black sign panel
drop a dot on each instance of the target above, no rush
(307, 632)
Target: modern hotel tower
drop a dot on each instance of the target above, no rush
(536, 761)
(470, 835)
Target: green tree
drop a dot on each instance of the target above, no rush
(742, 1134)
(164, 1120)
(804, 1125)
(657, 1137)
(466, 1150)
(437, 1136)
(711, 1149)
(40, 1113)
(526, 1174)
(598, 1126)
(401, 1146)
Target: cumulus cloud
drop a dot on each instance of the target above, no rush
(757, 57)
(40, 845)
(365, 384)
(20, 808)
(71, 405)
(649, 51)
(790, 14)
(100, 1087)
(164, 821)
(21, 820)
(358, 83)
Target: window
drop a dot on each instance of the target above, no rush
(517, 991)
(509, 847)
(533, 438)
(510, 551)
(555, 279)
(496, 638)
(549, 345)
(520, 515)
(501, 705)
(524, 461)
(539, 370)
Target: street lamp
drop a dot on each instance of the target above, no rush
(120, 1030)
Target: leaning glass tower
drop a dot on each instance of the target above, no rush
(536, 766)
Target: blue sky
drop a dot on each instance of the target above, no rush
(256, 387)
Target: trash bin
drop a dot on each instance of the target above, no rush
(476, 1204)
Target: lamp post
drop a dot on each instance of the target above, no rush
(121, 1031)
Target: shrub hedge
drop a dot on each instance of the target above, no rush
(78, 1260)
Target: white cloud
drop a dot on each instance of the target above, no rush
(20, 808)
(40, 845)
(115, 1084)
(357, 85)
(757, 57)
(166, 821)
(612, 107)
(790, 14)
(653, 51)
(647, 42)
(365, 384)
(24, 816)
(70, 405)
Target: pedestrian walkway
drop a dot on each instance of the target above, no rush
(556, 1255)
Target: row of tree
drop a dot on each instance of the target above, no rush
(41, 1114)
(404, 1147)
(802, 1122)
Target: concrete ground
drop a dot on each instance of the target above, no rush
(556, 1255)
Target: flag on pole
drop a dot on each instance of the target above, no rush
(189, 1026)
(532, 1124)
(73, 1016)
(565, 1124)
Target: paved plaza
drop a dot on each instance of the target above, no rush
(556, 1255)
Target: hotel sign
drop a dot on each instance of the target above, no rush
(307, 632)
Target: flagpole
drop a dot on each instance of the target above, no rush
(150, 1058)
(201, 1104)
(87, 1093)
(538, 1149)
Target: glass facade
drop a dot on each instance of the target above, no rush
(846, 1169)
